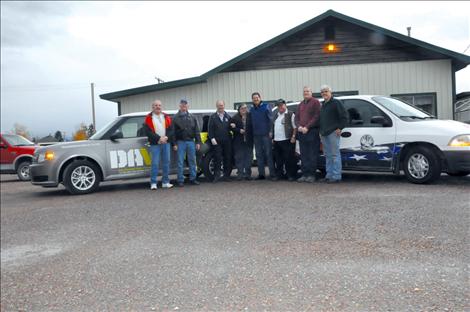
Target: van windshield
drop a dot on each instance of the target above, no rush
(102, 131)
(401, 109)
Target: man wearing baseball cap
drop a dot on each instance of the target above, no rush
(188, 140)
(284, 132)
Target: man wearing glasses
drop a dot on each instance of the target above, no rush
(333, 118)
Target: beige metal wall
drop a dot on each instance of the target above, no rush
(378, 78)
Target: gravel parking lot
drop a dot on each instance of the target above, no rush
(371, 243)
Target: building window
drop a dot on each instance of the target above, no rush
(424, 101)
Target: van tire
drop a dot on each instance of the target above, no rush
(78, 169)
(207, 162)
(421, 165)
(208, 166)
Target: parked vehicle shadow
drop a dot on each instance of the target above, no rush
(11, 179)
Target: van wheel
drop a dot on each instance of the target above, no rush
(421, 165)
(23, 171)
(208, 162)
(81, 177)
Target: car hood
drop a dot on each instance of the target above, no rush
(67, 145)
(450, 127)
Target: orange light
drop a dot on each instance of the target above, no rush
(331, 47)
(49, 155)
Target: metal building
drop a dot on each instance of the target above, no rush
(350, 55)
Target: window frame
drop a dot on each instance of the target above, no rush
(433, 94)
(368, 125)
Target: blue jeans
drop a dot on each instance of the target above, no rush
(160, 152)
(332, 156)
(186, 148)
(264, 151)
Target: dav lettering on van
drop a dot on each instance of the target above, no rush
(129, 159)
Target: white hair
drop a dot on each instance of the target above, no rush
(325, 87)
(308, 88)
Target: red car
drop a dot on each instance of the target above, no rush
(16, 154)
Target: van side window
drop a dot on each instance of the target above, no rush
(132, 127)
(360, 113)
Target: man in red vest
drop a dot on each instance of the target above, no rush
(158, 128)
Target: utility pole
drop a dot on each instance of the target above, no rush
(93, 104)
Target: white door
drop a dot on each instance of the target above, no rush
(366, 144)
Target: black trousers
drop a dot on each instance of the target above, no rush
(223, 154)
(309, 151)
(284, 157)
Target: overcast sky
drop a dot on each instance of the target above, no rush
(52, 51)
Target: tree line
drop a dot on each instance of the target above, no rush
(82, 132)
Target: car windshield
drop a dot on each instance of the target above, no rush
(102, 131)
(17, 140)
(402, 109)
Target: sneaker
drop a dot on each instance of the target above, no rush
(194, 182)
(310, 179)
(153, 186)
(301, 179)
(180, 184)
(167, 185)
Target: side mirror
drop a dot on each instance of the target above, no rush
(117, 135)
(380, 120)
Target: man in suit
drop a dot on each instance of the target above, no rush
(221, 140)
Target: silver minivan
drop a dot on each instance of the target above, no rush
(117, 151)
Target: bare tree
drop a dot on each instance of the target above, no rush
(21, 130)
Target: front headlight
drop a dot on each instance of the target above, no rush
(460, 141)
(47, 155)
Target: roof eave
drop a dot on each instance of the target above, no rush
(151, 88)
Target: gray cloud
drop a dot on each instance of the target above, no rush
(32, 23)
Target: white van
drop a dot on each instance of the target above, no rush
(384, 134)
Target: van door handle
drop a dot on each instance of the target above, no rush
(346, 134)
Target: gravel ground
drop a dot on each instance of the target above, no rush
(371, 243)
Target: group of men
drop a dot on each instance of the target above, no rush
(273, 136)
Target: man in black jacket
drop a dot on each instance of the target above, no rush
(221, 140)
(333, 118)
(188, 140)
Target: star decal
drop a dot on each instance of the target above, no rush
(358, 157)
